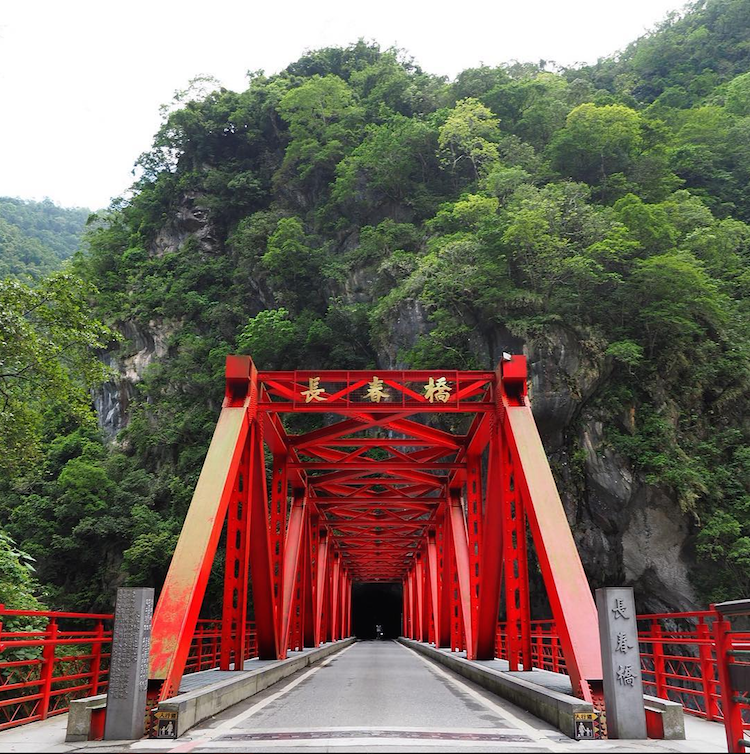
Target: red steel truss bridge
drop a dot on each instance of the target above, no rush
(376, 492)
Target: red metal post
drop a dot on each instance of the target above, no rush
(461, 551)
(182, 594)
(236, 565)
(266, 618)
(291, 566)
(335, 596)
(707, 670)
(434, 588)
(732, 711)
(48, 668)
(658, 650)
(445, 585)
(96, 660)
(321, 568)
(492, 552)
(309, 558)
(404, 607)
(516, 572)
(278, 524)
(419, 583)
(474, 515)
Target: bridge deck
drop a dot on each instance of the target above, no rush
(373, 696)
(380, 697)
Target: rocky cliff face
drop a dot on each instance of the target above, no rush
(626, 530)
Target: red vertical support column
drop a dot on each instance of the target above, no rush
(279, 505)
(48, 668)
(572, 604)
(433, 586)
(732, 711)
(419, 578)
(516, 568)
(410, 604)
(236, 567)
(348, 614)
(445, 558)
(407, 606)
(461, 551)
(335, 584)
(267, 622)
(404, 591)
(492, 550)
(321, 569)
(474, 532)
(291, 592)
(351, 608)
(309, 559)
(342, 601)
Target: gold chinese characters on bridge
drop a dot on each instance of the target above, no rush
(435, 390)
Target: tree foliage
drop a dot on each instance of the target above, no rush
(356, 212)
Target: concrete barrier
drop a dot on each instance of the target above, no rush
(670, 715)
(188, 709)
(80, 726)
(556, 708)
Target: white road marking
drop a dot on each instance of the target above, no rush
(529, 730)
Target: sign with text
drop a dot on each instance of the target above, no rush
(128, 668)
(621, 663)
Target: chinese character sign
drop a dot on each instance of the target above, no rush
(375, 392)
(621, 663)
(437, 390)
(314, 391)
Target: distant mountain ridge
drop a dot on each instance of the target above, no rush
(37, 237)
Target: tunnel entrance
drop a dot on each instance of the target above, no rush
(376, 603)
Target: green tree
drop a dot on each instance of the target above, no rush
(597, 142)
(325, 121)
(468, 139)
(47, 343)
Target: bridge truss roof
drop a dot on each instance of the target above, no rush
(376, 472)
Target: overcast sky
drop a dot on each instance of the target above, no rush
(81, 81)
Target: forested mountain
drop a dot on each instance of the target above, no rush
(37, 237)
(354, 211)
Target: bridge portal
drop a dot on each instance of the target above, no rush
(430, 479)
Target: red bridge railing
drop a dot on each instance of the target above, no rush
(678, 660)
(49, 658)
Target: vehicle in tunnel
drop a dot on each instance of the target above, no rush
(376, 604)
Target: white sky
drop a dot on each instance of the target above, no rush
(81, 81)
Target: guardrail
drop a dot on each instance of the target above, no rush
(48, 658)
(696, 658)
(678, 659)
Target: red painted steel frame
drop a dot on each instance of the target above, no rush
(376, 495)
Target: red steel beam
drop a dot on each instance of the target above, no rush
(461, 552)
(292, 558)
(573, 606)
(185, 584)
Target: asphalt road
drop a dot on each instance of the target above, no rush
(372, 696)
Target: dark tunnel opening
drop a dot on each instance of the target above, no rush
(373, 604)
